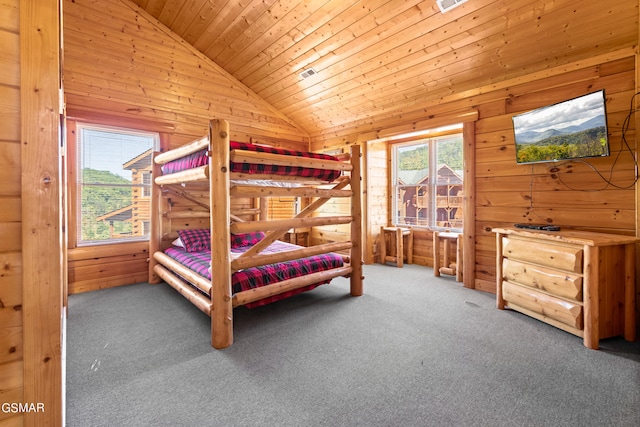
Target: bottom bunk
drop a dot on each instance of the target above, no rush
(188, 270)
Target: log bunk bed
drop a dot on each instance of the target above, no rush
(200, 198)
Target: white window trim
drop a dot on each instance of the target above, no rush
(421, 137)
(80, 127)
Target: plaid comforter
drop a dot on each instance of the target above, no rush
(200, 158)
(263, 275)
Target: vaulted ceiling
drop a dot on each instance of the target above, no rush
(381, 58)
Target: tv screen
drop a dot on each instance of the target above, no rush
(573, 129)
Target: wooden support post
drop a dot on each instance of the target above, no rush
(39, 340)
(591, 298)
(637, 187)
(263, 203)
(356, 224)
(156, 221)
(221, 304)
(459, 258)
(399, 248)
(436, 254)
(630, 292)
(499, 257)
(469, 202)
(446, 259)
(383, 246)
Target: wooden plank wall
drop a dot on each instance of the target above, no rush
(281, 208)
(31, 302)
(376, 197)
(165, 86)
(164, 80)
(11, 319)
(566, 194)
(43, 253)
(147, 91)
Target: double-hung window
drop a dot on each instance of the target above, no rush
(113, 184)
(427, 182)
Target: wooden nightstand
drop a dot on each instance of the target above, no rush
(448, 267)
(297, 236)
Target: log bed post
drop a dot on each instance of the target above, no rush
(156, 221)
(356, 223)
(221, 303)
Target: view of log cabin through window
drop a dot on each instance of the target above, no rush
(114, 184)
(427, 181)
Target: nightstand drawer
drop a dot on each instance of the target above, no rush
(568, 258)
(562, 284)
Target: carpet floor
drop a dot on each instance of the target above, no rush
(414, 351)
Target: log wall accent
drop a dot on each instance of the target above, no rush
(167, 87)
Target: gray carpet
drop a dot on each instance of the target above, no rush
(414, 350)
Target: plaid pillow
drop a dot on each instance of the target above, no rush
(247, 239)
(196, 239)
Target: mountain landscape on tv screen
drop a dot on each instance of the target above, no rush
(533, 137)
(588, 139)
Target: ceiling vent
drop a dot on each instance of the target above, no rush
(447, 5)
(308, 73)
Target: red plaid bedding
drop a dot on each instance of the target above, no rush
(264, 275)
(200, 158)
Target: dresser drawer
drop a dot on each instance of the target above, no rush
(556, 282)
(558, 309)
(568, 258)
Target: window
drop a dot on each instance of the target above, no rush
(113, 184)
(146, 182)
(427, 182)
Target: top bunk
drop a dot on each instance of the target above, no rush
(254, 163)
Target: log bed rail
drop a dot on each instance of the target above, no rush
(221, 184)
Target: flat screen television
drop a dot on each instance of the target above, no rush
(572, 129)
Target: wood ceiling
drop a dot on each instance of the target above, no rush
(381, 58)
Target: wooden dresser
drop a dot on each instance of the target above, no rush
(581, 282)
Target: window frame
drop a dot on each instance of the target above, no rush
(427, 137)
(74, 149)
